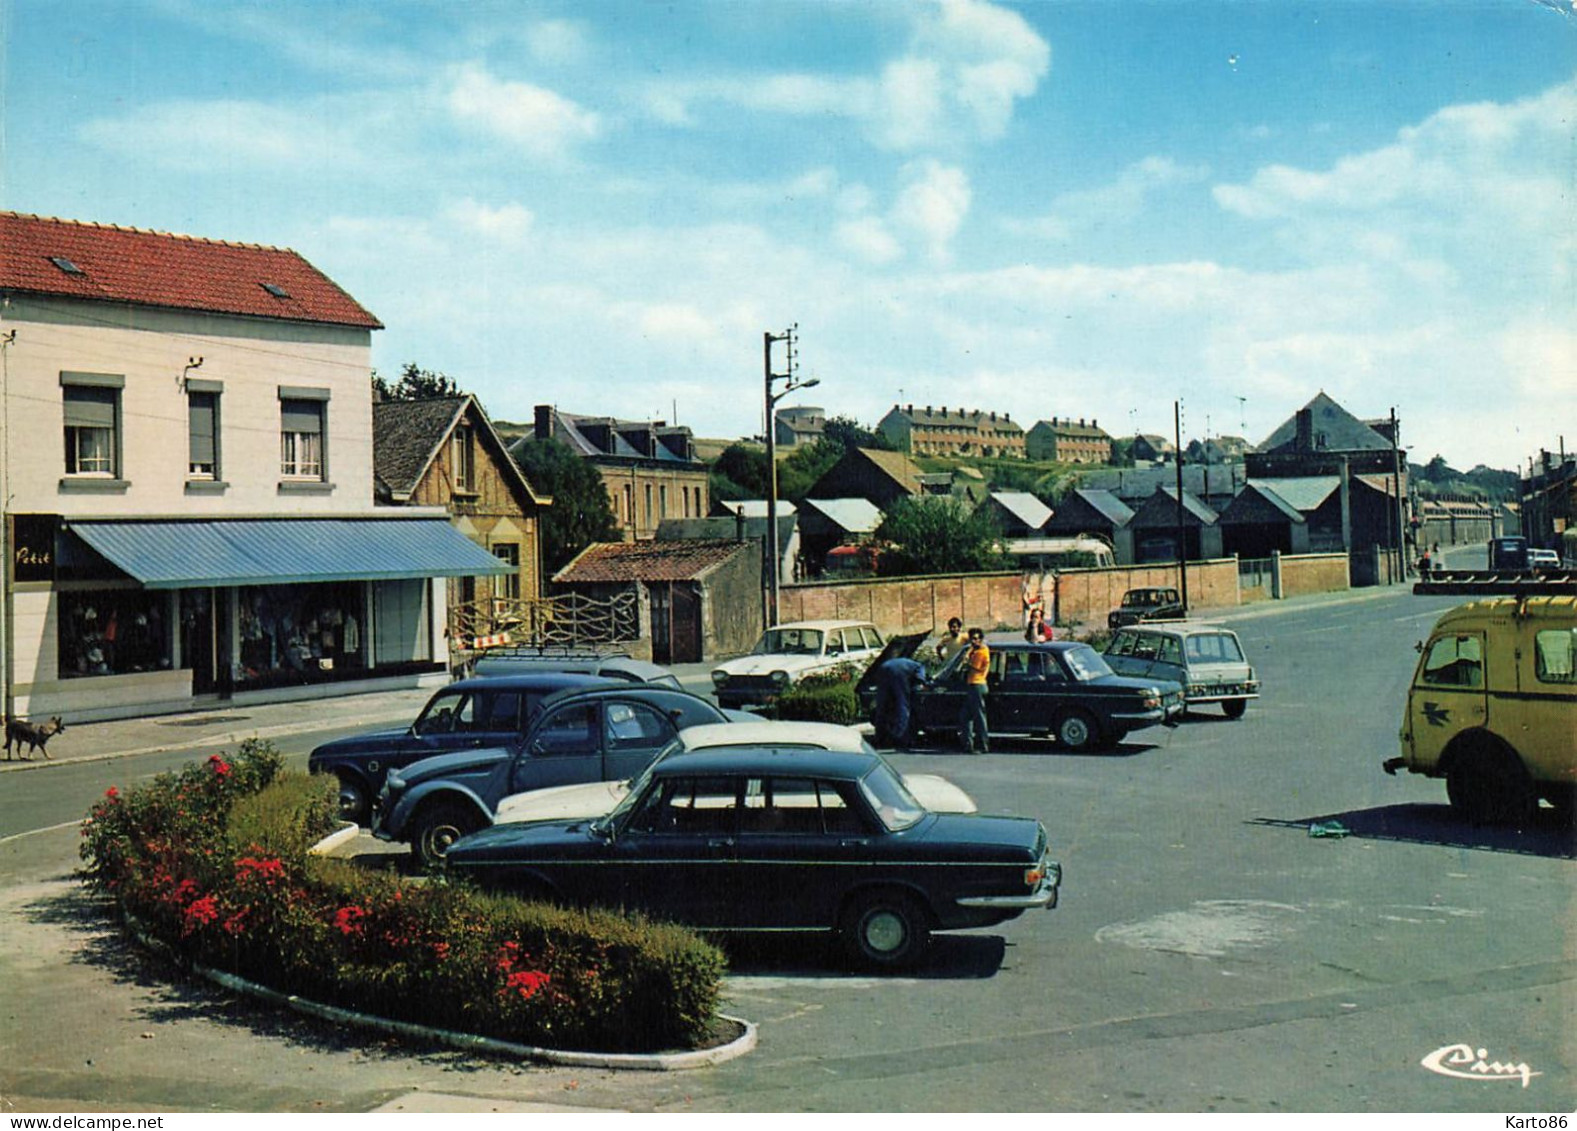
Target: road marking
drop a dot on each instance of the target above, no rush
(35, 832)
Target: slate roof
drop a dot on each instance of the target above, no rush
(407, 435)
(1342, 431)
(1160, 510)
(1244, 504)
(131, 265)
(1071, 428)
(1107, 505)
(966, 417)
(577, 431)
(650, 561)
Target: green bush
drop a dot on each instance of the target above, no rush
(213, 861)
(820, 703)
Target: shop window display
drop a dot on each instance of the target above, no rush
(299, 633)
(113, 632)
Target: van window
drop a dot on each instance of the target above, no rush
(1455, 661)
(1553, 650)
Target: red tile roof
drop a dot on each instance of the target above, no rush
(159, 269)
(651, 561)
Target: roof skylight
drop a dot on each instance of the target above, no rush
(276, 290)
(66, 265)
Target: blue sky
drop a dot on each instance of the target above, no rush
(1081, 209)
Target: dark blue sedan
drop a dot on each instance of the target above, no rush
(758, 839)
(465, 715)
(587, 734)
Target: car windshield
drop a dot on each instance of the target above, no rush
(894, 805)
(1085, 663)
(789, 642)
(1213, 648)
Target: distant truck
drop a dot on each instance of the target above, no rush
(1493, 701)
(1508, 552)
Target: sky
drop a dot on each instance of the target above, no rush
(1087, 209)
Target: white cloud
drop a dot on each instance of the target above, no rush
(510, 222)
(1119, 202)
(534, 118)
(867, 238)
(933, 204)
(557, 41)
(966, 66)
(226, 132)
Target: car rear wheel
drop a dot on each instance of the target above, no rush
(1488, 784)
(1077, 730)
(353, 800)
(885, 930)
(1234, 708)
(437, 827)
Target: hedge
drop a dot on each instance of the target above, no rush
(212, 860)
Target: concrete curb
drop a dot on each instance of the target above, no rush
(469, 1042)
(336, 838)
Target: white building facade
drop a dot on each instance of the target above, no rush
(186, 445)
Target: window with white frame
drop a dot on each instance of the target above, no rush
(508, 584)
(463, 454)
(301, 437)
(91, 412)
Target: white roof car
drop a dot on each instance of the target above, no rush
(593, 799)
(788, 653)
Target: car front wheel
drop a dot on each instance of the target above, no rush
(437, 827)
(886, 930)
(353, 800)
(1077, 731)
(1234, 708)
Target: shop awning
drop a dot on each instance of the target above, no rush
(183, 554)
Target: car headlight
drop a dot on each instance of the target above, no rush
(719, 678)
(780, 678)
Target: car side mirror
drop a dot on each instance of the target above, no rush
(1418, 646)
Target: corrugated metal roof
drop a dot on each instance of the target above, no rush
(1023, 506)
(857, 516)
(179, 554)
(1305, 493)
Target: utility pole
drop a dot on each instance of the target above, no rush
(1182, 545)
(1396, 485)
(771, 399)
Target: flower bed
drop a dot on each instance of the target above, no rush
(213, 861)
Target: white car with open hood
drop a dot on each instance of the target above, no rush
(593, 799)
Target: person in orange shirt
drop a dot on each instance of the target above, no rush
(973, 733)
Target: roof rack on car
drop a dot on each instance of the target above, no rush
(1499, 583)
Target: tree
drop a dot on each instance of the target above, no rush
(938, 535)
(580, 514)
(415, 384)
(847, 432)
(739, 473)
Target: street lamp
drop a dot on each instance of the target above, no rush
(772, 398)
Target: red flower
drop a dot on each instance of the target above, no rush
(202, 912)
(112, 793)
(348, 920)
(268, 869)
(440, 951)
(219, 766)
(525, 982)
(236, 923)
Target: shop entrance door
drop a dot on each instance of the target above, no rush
(197, 638)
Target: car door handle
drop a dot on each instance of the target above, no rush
(857, 842)
(721, 842)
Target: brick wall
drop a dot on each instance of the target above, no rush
(1084, 596)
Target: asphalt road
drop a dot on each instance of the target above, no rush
(1208, 953)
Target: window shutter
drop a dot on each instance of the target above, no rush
(88, 407)
(301, 416)
(200, 413)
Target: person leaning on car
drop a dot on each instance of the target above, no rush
(972, 717)
(952, 640)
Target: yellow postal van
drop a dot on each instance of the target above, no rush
(1493, 706)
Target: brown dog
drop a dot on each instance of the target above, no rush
(36, 735)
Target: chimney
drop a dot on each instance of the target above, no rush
(544, 422)
(911, 410)
(1303, 439)
(739, 525)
